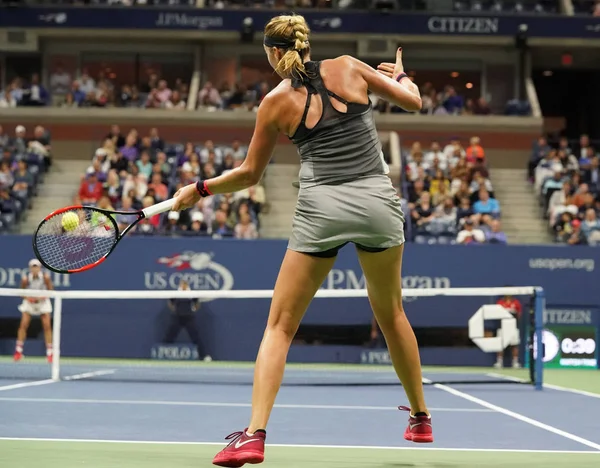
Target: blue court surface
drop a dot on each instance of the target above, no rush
(86, 422)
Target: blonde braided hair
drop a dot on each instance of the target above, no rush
(292, 28)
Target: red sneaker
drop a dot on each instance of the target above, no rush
(419, 428)
(242, 449)
(17, 356)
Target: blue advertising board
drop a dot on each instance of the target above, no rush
(357, 22)
(232, 328)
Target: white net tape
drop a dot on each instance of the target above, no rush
(263, 294)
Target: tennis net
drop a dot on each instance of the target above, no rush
(111, 335)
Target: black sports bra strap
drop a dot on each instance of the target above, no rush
(336, 97)
(310, 91)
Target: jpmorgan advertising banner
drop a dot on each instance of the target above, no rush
(331, 21)
(568, 275)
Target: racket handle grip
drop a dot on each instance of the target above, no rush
(161, 207)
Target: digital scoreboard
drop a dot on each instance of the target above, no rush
(566, 346)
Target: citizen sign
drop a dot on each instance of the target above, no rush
(462, 25)
(568, 316)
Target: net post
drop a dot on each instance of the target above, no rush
(539, 308)
(56, 330)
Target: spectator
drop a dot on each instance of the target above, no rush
(209, 96)
(422, 213)
(125, 220)
(161, 160)
(576, 237)
(416, 164)
(86, 84)
(453, 103)
(113, 187)
(161, 190)
(156, 142)
(175, 102)
(115, 135)
(36, 94)
(553, 184)
(495, 235)
(590, 227)
(482, 107)
(591, 175)
(6, 177)
(245, 229)
(474, 152)
(582, 196)
(470, 235)
(197, 228)
(7, 100)
(445, 215)
(172, 227)
(130, 150)
(77, 96)
(7, 203)
(454, 150)
(4, 140)
(18, 145)
(209, 147)
(23, 180)
(464, 209)
(144, 164)
(485, 204)
(563, 228)
(568, 161)
(90, 189)
(60, 84)
(163, 93)
(239, 154)
(434, 153)
(16, 87)
(220, 228)
(560, 201)
(541, 150)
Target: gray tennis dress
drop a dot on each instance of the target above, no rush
(345, 195)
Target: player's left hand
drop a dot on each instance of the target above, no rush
(386, 68)
(186, 197)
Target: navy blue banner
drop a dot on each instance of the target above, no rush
(319, 21)
(232, 328)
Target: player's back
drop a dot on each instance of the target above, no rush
(336, 139)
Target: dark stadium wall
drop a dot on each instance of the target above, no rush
(91, 125)
(232, 328)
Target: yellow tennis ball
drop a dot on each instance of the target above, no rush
(70, 221)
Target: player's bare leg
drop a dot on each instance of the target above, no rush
(299, 279)
(383, 278)
(47, 326)
(22, 335)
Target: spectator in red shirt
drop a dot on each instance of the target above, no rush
(513, 306)
(161, 190)
(90, 190)
(475, 152)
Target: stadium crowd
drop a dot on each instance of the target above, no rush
(23, 161)
(448, 195)
(566, 175)
(131, 171)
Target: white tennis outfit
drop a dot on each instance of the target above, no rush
(44, 306)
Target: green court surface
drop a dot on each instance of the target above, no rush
(29, 454)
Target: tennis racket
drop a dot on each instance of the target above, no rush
(78, 238)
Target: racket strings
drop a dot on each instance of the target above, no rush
(75, 238)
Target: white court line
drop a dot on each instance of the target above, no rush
(520, 417)
(37, 383)
(550, 386)
(228, 405)
(26, 384)
(333, 447)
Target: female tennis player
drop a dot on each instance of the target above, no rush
(345, 197)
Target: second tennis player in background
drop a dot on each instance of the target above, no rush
(345, 197)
